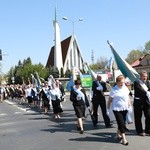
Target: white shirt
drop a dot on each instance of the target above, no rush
(28, 92)
(120, 98)
(55, 92)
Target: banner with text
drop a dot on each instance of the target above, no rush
(86, 81)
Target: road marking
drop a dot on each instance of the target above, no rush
(3, 114)
(22, 109)
(17, 112)
(8, 123)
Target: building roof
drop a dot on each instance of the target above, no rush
(137, 63)
(64, 46)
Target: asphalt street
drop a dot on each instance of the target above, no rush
(24, 128)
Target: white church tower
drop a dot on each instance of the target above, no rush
(64, 54)
(57, 47)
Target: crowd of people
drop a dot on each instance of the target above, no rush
(119, 101)
(51, 96)
(47, 96)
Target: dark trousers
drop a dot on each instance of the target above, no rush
(139, 109)
(102, 103)
(29, 98)
(46, 103)
(120, 118)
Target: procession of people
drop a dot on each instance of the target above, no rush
(50, 96)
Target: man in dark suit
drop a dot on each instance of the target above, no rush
(98, 88)
(142, 104)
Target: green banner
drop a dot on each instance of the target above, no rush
(86, 81)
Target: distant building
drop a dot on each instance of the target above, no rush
(71, 55)
(143, 63)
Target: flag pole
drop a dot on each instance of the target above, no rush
(123, 66)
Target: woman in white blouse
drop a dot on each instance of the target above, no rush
(119, 97)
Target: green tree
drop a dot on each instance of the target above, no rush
(147, 48)
(24, 70)
(19, 63)
(61, 73)
(68, 73)
(100, 64)
(133, 56)
(54, 72)
(94, 66)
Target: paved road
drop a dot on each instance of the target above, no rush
(22, 128)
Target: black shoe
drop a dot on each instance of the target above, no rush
(130, 122)
(125, 144)
(82, 131)
(78, 128)
(141, 134)
(109, 125)
(94, 124)
(118, 137)
(147, 134)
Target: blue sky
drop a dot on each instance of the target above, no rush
(26, 27)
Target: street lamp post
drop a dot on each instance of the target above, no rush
(72, 21)
(73, 24)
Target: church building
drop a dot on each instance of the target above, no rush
(64, 54)
(70, 55)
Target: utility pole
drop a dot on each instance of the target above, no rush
(0, 54)
(92, 57)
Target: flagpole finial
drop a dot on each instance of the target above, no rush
(108, 42)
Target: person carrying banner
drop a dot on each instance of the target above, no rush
(44, 95)
(98, 88)
(79, 101)
(142, 104)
